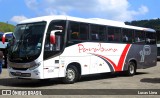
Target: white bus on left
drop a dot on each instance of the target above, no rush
(69, 47)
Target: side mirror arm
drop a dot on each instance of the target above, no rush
(52, 36)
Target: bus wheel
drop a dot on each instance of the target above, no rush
(71, 75)
(131, 69)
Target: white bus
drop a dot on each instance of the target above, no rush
(68, 47)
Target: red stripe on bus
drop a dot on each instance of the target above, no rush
(121, 60)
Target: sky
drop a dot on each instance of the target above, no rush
(14, 11)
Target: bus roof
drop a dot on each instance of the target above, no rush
(86, 20)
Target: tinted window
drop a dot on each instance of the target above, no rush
(102, 32)
(139, 37)
(55, 25)
(79, 31)
(114, 34)
(127, 36)
(84, 32)
(150, 38)
(97, 32)
(9, 37)
(74, 30)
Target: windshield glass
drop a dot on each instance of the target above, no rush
(27, 42)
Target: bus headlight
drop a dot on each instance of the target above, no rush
(35, 66)
(36, 72)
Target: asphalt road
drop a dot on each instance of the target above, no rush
(144, 79)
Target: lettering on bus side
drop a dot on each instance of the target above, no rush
(100, 48)
(145, 52)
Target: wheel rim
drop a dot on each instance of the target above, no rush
(131, 69)
(70, 75)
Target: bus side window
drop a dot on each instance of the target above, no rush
(55, 25)
(74, 30)
(78, 31)
(127, 35)
(97, 32)
(84, 31)
(114, 34)
(150, 38)
(94, 32)
(139, 37)
(102, 33)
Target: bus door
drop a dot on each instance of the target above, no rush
(54, 44)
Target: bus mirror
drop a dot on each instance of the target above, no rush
(52, 36)
(3, 38)
(52, 39)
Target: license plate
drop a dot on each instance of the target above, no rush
(18, 73)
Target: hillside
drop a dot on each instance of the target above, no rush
(152, 23)
(4, 27)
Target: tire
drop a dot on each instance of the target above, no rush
(131, 69)
(71, 76)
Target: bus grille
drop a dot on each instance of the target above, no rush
(21, 74)
(23, 69)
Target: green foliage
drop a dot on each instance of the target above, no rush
(152, 23)
(4, 27)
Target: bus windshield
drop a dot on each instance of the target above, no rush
(27, 42)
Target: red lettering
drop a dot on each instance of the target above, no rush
(81, 48)
(99, 48)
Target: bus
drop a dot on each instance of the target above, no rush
(4, 39)
(68, 47)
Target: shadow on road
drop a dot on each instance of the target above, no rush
(151, 80)
(14, 82)
(107, 76)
